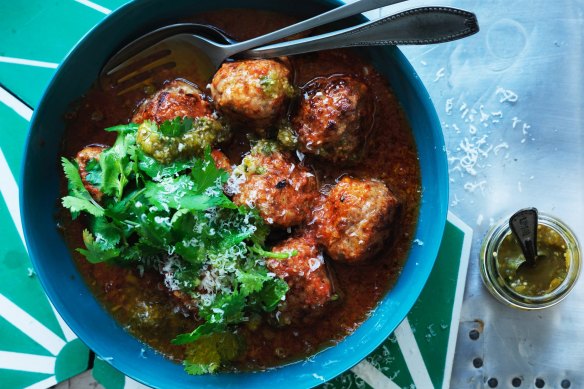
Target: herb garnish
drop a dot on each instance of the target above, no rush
(175, 218)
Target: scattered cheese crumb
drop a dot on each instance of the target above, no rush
(506, 95)
(480, 219)
(440, 73)
(448, 107)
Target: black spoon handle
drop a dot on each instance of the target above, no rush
(523, 224)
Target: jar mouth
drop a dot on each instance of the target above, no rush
(500, 288)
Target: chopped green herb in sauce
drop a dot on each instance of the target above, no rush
(273, 85)
(180, 137)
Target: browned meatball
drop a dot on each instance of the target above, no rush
(253, 93)
(334, 117)
(82, 158)
(311, 289)
(267, 179)
(177, 98)
(355, 218)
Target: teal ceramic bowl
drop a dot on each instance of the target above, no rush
(72, 298)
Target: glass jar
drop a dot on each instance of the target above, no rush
(506, 289)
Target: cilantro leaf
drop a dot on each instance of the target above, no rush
(79, 204)
(183, 193)
(98, 250)
(123, 128)
(93, 173)
(79, 198)
(176, 127)
(202, 330)
(200, 368)
(272, 293)
(108, 233)
(209, 352)
(227, 309)
(155, 169)
(269, 254)
(154, 228)
(73, 176)
(206, 175)
(251, 281)
(195, 254)
(116, 165)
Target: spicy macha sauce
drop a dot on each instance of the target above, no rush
(138, 299)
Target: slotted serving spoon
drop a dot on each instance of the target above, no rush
(423, 25)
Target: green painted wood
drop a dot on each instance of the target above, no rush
(17, 280)
(14, 340)
(431, 315)
(27, 82)
(13, 130)
(42, 31)
(389, 359)
(72, 360)
(19, 379)
(107, 376)
(347, 380)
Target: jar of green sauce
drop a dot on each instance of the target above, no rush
(520, 285)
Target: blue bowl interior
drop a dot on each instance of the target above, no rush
(66, 288)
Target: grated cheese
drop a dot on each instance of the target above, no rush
(506, 95)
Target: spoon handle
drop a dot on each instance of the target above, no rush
(523, 224)
(417, 26)
(333, 15)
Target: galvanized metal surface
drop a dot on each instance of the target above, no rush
(511, 101)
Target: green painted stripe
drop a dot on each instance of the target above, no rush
(346, 380)
(111, 4)
(432, 326)
(15, 340)
(107, 376)
(389, 359)
(18, 282)
(13, 130)
(42, 31)
(11, 379)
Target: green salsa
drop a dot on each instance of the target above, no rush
(550, 268)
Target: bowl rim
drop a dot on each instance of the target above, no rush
(309, 380)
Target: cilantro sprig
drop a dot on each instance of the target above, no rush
(175, 217)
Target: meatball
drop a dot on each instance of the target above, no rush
(221, 160)
(311, 290)
(178, 98)
(197, 128)
(253, 93)
(267, 179)
(334, 117)
(355, 218)
(83, 158)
